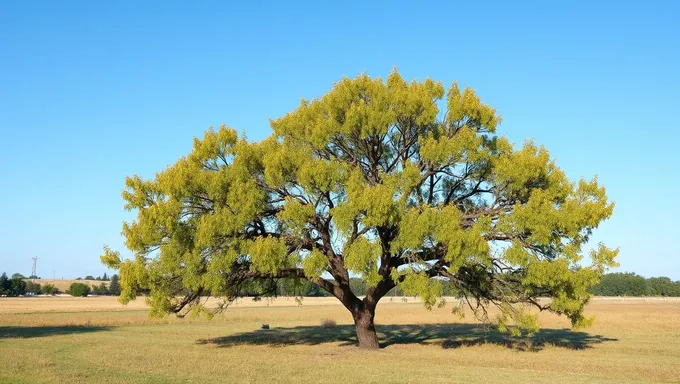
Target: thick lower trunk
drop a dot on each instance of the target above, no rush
(363, 320)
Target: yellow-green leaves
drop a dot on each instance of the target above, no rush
(295, 214)
(110, 258)
(268, 255)
(361, 256)
(360, 108)
(378, 204)
(604, 258)
(521, 172)
(445, 150)
(215, 145)
(419, 284)
(414, 100)
(314, 264)
(463, 245)
(415, 226)
(321, 175)
(468, 108)
(523, 320)
(133, 277)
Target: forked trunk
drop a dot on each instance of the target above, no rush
(363, 320)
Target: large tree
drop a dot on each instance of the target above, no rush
(370, 180)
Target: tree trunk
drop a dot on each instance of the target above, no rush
(363, 320)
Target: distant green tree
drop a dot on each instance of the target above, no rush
(663, 286)
(33, 288)
(114, 286)
(5, 284)
(78, 289)
(622, 284)
(105, 278)
(358, 286)
(49, 289)
(89, 277)
(309, 289)
(17, 287)
(100, 289)
(18, 276)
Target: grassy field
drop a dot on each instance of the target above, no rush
(95, 340)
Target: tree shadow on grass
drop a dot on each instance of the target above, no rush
(445, 335)
(31, 332)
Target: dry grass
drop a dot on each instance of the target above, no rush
(47, 342)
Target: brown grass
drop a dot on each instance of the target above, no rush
(46, 341)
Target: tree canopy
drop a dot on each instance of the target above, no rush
(373, 180)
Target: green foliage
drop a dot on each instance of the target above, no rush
(420, 284)
(361, 256)
(13, 287)
(78, 290)
(100, 289)
(49, 289)
(370, 179)
(18, 276)
(630, 284)
(298, 288)
(5, 284)
(114, 286)
(33, 288)
(358, 286)
(663, 286)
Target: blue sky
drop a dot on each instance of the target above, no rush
(93, 91)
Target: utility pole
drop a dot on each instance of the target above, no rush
(35, 265)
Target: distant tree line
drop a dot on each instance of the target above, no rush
(98, 278)
(612, 284)
(82, 289)
(631, 284)
(18, 286)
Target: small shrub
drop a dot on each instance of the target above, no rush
(78, 289)
(49, 289)
(328, 323)
(100, 289)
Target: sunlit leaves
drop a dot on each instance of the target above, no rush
(372, 172)
(110, 258)
(361, 256)
(268, 255)
(466, 108)
(314, 264)
(419, 284)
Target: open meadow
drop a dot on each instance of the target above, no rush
(96, 340)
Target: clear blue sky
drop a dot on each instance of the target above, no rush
(93, 91)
